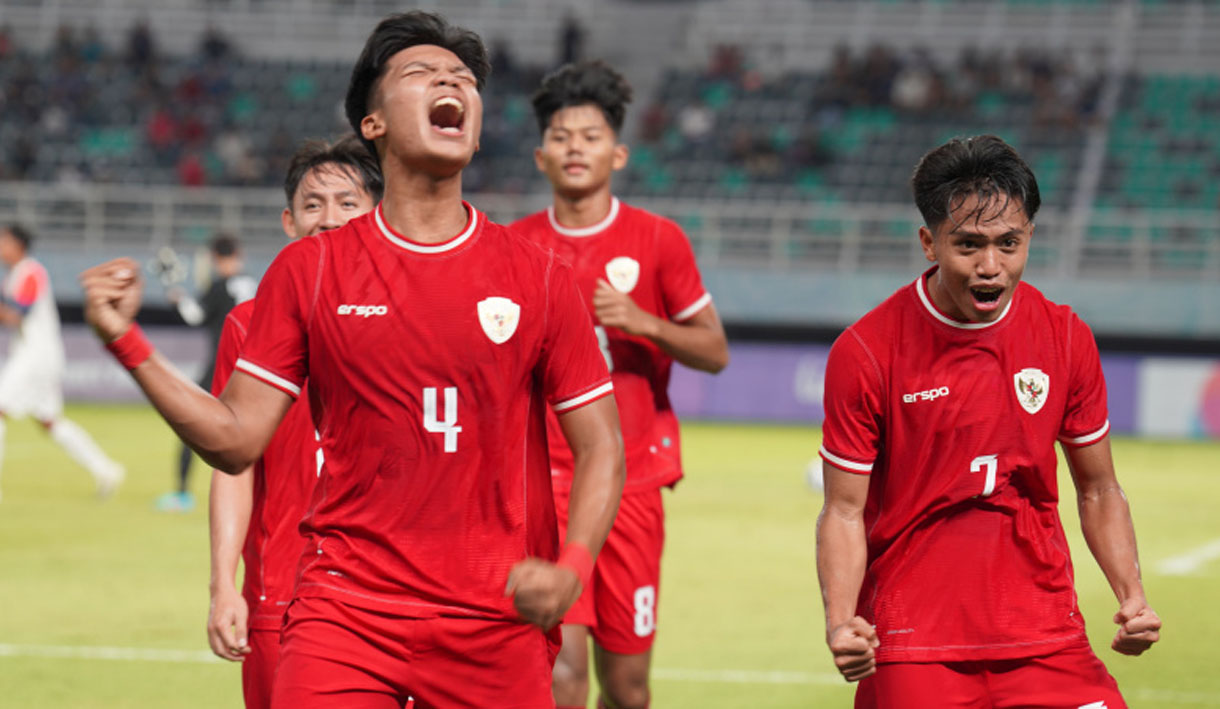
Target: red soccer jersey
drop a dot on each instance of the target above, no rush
(284, 478)
(956, 422)
(430, 369)
(649, 257)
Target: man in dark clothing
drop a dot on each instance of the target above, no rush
(228, 288)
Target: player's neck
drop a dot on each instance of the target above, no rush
(584, 210)
(424, 209)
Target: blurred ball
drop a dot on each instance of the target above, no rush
(813, 474)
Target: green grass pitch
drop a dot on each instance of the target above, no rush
(102, 604)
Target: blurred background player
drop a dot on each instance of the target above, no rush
(637, 275)
(31, 380)
(326, 186)
(433, 341)
(943, 405)
(228, 287)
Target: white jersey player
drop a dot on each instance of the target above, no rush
(31, 377)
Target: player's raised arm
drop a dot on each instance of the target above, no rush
(1105, 519)
(842, 558)
(230, 432)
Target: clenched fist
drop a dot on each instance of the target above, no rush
(113, 292)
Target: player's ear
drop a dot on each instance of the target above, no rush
(538, 162)
(926, 240)
(621, 154)
(372, 126)
(289, 224)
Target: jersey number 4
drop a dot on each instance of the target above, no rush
(447, 426)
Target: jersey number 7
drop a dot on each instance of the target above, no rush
(988, 463)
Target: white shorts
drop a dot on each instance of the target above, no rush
(31, 389)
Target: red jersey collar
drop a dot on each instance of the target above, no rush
(401, 241)
(936, 313)
(588, 230)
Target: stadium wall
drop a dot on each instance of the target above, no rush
(1150, 395)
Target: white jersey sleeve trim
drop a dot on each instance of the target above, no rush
(588, 230)
(583, 398)
(691, 310)
(271, 378)
(845, 463)
(1090, 438)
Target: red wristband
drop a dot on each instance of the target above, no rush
(576, 557)
(132, 348)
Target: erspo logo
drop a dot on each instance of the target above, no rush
(927, 395)
(363, 311)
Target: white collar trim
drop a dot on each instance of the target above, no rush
(453, 243)
(927, 303)
(588, 230)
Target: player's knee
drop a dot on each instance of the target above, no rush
(570, 677)
(626, 691)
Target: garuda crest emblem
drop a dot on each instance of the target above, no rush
(1032, 387)
(499, 318)
(623, 273)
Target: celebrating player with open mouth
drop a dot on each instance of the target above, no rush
(944, 567)
(638, 278)
(433, 341)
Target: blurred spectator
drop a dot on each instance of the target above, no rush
(214, 46)
(502, 62)
(140, 47)
(571, 40)
(726, 63)
(653, 122)
(6, 42)
(695, 122)
(91, 49)
(191, 172)
(915, 87)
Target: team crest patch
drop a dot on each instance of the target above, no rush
(1032, 387)
(623, 273)
(499, 318)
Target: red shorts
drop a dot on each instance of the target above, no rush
(258, 669)
(620, 604)
(336, 655)
(1072, 679)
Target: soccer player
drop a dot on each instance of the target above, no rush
(637, 275)
(326, 186)
(433, 341)
(31, 380)
(944, 567)
(229, 287)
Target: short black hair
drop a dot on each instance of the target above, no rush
(224, 245)
(581, 83)
(21, 234)
(396, 33)
(982, 165)
(348, 154)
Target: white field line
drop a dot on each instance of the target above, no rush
(1190, 562)
(745, 676)
(138, 654)
(80, 652)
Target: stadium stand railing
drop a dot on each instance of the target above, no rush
(1142, 244)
